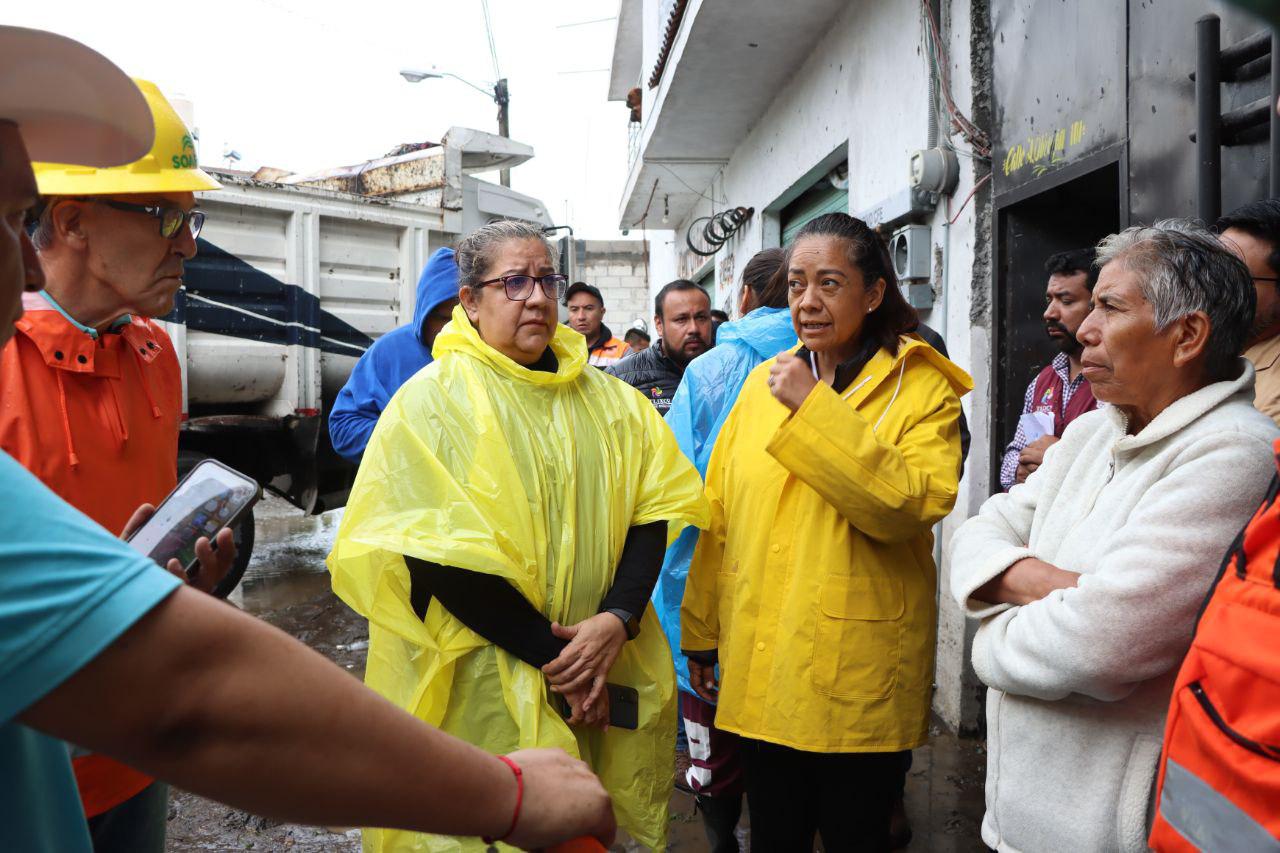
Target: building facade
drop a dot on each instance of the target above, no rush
(1053, 124)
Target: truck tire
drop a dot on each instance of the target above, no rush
(242, 533)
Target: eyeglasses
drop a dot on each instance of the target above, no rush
(171, 218)
(520, 287)
(1269, 278)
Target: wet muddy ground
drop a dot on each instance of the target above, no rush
(286, 585)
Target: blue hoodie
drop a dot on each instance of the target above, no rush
(390, 362)
(701, 404)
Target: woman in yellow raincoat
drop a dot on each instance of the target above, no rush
(510, 514)
(815, 585)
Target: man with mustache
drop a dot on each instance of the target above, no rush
(1060, 391)
(682, 318)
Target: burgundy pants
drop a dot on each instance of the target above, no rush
(716, 768)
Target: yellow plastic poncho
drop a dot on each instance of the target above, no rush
(536, 477)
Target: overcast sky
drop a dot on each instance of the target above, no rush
(315, 84)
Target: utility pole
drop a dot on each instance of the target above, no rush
(503, 99)
(500, 94)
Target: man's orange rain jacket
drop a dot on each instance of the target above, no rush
(96, 419)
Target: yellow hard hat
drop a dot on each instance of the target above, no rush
(170, 166)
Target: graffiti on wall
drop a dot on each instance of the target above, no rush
(1044, 150)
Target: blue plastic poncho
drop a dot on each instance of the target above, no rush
(707, 393)
(535, 477)
(389, 362)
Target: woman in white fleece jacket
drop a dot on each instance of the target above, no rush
(1088, 577)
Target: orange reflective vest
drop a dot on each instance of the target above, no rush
(607, 353)
(96, 418)
(1219, 785)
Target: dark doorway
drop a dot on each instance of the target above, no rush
(1076, 211)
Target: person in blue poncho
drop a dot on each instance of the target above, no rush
(702, 402)
(393, 358)
(698, 410)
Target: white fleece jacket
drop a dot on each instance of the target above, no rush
(1080, 680)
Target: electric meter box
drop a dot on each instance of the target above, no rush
(934, 170)
(909, 251)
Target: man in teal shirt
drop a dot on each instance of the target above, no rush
(68, 589)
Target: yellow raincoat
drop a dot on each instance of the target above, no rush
(816, 580)
(536, 477)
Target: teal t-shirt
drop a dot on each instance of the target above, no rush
(68, 589)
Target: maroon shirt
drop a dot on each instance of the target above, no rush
(1048, 394)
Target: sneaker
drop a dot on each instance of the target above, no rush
(683, 762)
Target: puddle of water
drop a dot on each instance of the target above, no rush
(279, 521)
(268, 593)
(287, 566)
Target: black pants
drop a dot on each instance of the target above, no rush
(845, 796)
(135, 826)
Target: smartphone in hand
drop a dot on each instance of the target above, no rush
(212, 496)
(624, 706)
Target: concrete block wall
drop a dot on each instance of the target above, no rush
(620, 269)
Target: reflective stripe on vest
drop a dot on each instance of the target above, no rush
(1209, 820)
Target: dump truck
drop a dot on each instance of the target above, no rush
(296, 276)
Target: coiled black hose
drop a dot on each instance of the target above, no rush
(718, 228)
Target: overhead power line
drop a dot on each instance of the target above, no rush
(584, 23)
(493, 50)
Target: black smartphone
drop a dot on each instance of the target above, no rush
(624, 706)
(212, 496)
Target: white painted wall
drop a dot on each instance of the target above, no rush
(958, 696)
(662, 263)
(865, 90)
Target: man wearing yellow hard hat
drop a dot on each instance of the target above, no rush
(90, 388)
(101, 647)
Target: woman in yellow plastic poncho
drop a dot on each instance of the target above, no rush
(510, 516)
(815, 583)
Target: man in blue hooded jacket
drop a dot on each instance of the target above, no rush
(393, 358)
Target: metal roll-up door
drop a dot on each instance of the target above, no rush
(820, 199)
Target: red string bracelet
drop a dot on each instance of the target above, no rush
(515, 818)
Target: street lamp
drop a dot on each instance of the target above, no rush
(499, 94)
